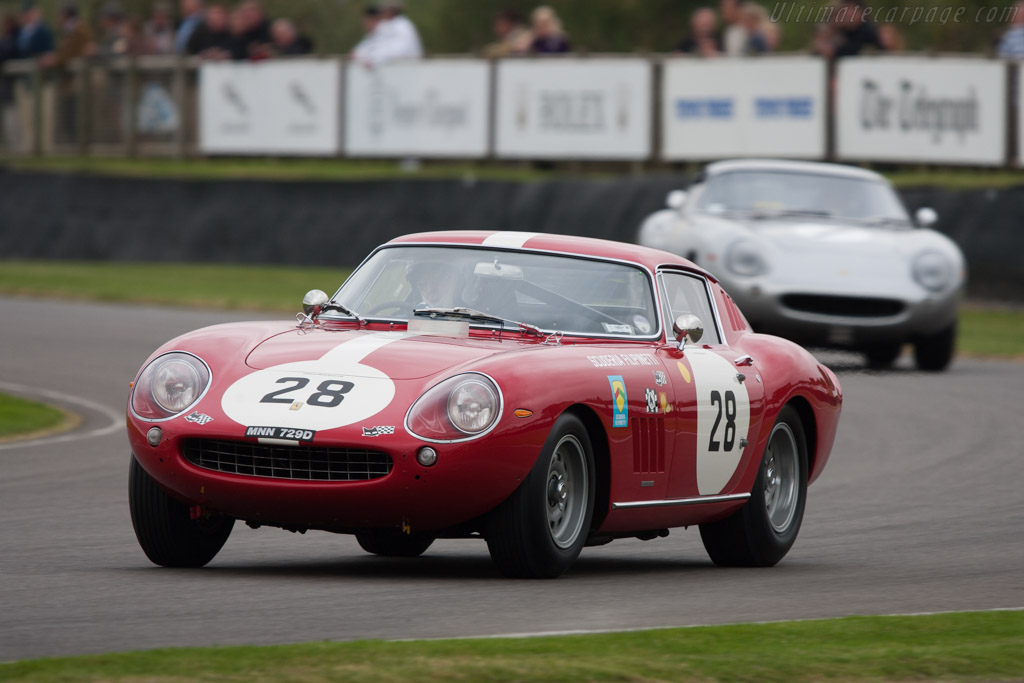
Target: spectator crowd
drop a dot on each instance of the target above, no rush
(210, 30)
(216, 30)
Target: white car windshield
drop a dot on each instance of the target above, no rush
(486, 287)
(783, 193)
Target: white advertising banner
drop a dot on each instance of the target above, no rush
(434, 108)
(755, 107)
(283, 107)
(1020, 113)
(915, 109)
(574, 109)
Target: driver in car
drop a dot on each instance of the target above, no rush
(437, 282)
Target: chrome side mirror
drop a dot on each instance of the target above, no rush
(675, 199)
(313, 301)
(926, 216)
(688, 326)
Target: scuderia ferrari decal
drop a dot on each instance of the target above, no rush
(333, 391)
(723, 419)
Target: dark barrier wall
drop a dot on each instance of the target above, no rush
(48, 216)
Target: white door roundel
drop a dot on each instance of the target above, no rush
(333, 391)
(723, 419)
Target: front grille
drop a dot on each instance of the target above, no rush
(848, 306)
(311, 463)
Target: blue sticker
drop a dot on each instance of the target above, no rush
(620, 404)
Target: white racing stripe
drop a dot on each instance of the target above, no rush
(116, 419)
(641, 629)
(513, 240)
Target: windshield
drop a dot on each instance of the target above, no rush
(777, 192)
(553, 293)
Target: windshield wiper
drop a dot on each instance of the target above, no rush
(341, 308)
(886, 220)
(460, 312)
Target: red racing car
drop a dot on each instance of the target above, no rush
(539, 391)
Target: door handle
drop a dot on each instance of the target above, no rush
(744, 360)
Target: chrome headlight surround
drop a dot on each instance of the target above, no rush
(460, 408)
(932, 270)
(745, 258)
(171, 384)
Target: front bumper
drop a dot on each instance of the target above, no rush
(844, 320)
(468, 480)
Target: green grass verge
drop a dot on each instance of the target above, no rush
(349, 169)
(983, 331)
(19, 416)
(991, 332)
(255, 288)
(972, 646)
(279, 169)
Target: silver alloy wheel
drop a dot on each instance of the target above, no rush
(567, 491)
(781, 471)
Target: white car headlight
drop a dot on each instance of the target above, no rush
(745, 258)
(169, 386)
(459, 408)
(932, 270)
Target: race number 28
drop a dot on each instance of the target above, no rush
(329, 394)
(728, 406)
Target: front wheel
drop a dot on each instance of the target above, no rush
(882, 356)
(761, 532)
(166, 532)
(539, 530)
(394, 543)
(934, 352)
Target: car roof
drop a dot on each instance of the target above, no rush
(547, 242)
(792, 167)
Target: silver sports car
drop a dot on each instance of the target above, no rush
(821, 253)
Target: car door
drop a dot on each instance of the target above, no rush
(718, 396)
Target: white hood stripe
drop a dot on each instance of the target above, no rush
(355, 350)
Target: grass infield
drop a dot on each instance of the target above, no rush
(352, 169)
(967, 646)
(19, 417)
(984, 331)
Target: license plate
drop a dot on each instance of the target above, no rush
(280, 433)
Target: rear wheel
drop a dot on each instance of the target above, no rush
(761, 532)
(539, 530)
(394, 543)
(934, 352)
(166, 532)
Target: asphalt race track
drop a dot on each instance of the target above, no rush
(920, 510)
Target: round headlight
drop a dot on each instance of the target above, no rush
(170, 385)
(471, 406)
(744, 258)
(459, 408)
(932, 270)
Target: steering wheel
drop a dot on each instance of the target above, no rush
(385, 305)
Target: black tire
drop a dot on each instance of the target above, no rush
(749, 537)
(539, 530)
(882, 356)
(166, 533)
(934, 353)
(394, 543)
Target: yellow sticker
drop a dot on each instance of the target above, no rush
(666, 407)
(684, 372)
